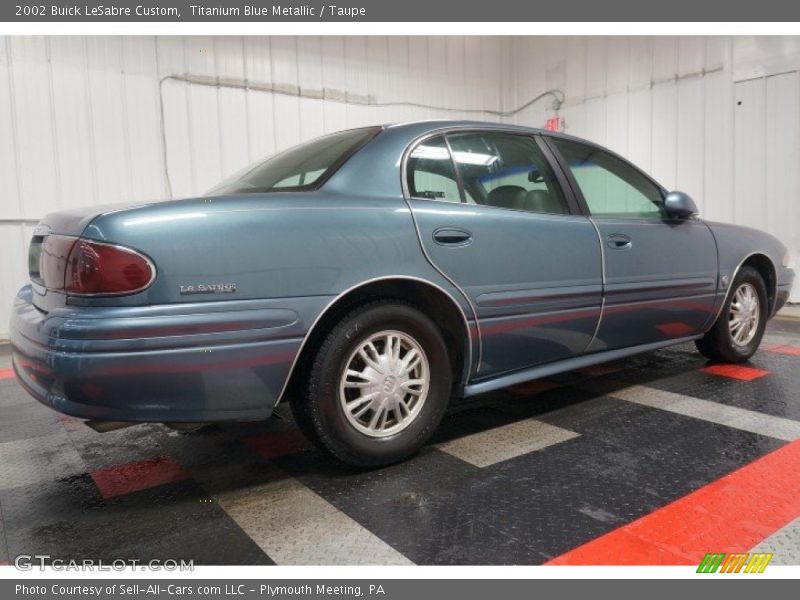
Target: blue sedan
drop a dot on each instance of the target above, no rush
(369, 276)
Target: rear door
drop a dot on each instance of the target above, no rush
(660, 273)
(493, 216)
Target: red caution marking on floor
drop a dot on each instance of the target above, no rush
(272, 444)
(6, 374)
(735, 372)
(533, 387)
(675, 329)
(732, 514)
(133, 477)
(71, 424)
(785, 349)
(600, 370)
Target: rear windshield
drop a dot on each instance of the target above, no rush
(302, 167)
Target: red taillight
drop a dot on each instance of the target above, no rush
(98, 268)
(80, 266)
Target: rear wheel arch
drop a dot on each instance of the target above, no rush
(419, 293)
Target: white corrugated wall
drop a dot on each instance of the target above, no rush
(81, 117)
(716, 117)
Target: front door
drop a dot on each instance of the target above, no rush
(493, 217)
(660, 273)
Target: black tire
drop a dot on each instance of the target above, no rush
(718, 344)
(300, 409)
(319, 412)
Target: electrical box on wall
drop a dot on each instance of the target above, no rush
(554, 124)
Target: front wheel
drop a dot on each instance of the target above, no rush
(736, 335)
(378, 387)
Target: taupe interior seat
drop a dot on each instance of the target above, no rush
(507, 196)
(514, 196)
(542, 201)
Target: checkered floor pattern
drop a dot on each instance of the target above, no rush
(656, 459)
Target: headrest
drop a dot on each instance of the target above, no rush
(507, 196)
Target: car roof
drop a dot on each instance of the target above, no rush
(414, 129)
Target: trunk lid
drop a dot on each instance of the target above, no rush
(74, 221)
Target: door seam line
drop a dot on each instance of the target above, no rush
(602, 287)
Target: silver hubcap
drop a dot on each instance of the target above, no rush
(384, 384)
(744, 315)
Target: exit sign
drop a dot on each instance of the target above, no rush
(554, 124)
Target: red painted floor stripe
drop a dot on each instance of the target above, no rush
(785, 349)
(272, 444)
(116, 481)
(735, 372)
(6, 373)
(732, 514)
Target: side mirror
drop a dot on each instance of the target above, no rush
(679, 205)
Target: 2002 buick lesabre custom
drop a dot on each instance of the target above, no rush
(370, 275)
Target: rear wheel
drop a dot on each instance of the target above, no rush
(378, 387)
(736, 335)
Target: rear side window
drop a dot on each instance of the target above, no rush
(430, 172)
(610, 186)
(300, 168)
(507, 170)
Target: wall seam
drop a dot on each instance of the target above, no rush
(126, 128)
(53, 128)
(87, 82)
(272, 76)
(14, 128)
(161, 134)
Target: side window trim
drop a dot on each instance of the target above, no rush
(461, 192)
(573, 203)
(566, 172)
(406, 172)
(578, 193)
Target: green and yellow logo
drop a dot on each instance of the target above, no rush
(719, 562)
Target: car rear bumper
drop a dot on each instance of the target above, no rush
(199, 362)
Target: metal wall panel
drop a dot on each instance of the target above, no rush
(689, 137)
(760, 56)
(10, 197)
(782, 149)
(717, 189)
(749, 167)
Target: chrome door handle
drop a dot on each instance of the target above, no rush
(452, 236)
(619, 241)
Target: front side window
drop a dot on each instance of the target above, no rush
(430, 172)
(610, 186)
(299, 168)
(506, 170)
